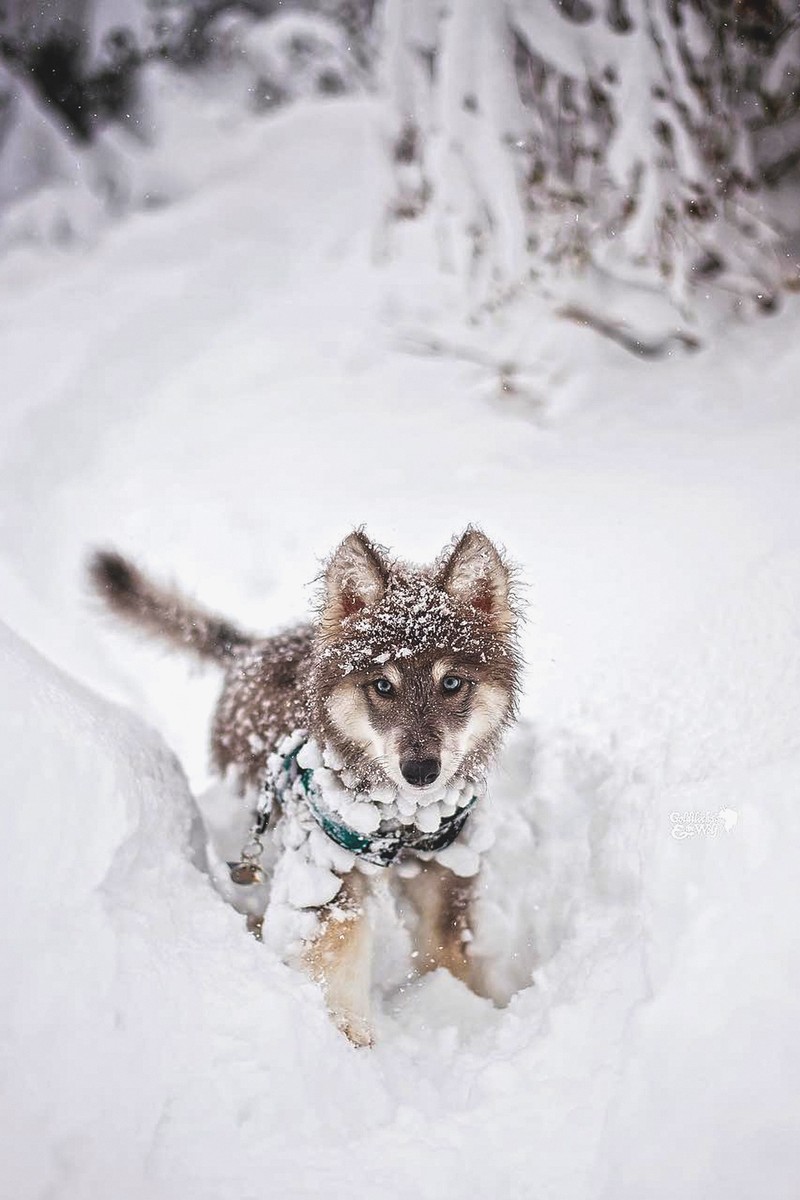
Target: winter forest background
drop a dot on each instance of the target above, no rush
(269, 271)
(656, 141)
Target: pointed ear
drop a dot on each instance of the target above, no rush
(355, 578)
(474, 573)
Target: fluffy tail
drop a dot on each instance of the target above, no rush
(163, 611)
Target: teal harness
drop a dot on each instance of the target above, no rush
(382, 847)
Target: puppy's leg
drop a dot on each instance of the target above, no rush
(340, 958)
(442, 903)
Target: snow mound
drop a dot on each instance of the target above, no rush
(127, 983)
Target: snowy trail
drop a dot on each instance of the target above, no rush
(223, 396)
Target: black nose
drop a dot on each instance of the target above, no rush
(420, 771)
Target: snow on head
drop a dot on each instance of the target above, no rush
(415, 614)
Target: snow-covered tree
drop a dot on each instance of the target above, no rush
(545, 134)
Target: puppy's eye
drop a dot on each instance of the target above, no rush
(383, 687)
(451, 684)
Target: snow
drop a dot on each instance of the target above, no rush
(414, 615)
(220, 387)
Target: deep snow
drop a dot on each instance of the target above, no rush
(223, 387)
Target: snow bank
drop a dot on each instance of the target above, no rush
(126, 983)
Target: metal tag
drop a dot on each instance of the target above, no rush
(246, 873)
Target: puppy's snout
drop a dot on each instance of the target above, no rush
(420, 771)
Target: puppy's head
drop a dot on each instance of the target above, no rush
(417, 668)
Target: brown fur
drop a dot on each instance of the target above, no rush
(378, 619)
(443, 931)
(339, 958)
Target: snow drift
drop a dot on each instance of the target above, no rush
(126, 981)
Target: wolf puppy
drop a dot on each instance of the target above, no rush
(398, 694)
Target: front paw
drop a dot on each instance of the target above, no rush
(356, 1029)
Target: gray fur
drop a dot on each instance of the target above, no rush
(161, 611)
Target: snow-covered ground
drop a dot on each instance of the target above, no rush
(223, 387)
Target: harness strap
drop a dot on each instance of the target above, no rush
(381, 848)
(384, 848)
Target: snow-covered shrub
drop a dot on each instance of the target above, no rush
(41, 161)
(85, 86)
(288, 57)
(57, 184)
(68, 75)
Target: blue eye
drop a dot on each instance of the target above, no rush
(383, 687)
(451, 684)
